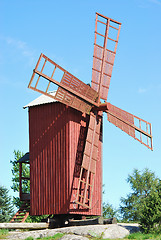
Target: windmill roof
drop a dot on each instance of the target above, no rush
(25, 158)
(43, 99)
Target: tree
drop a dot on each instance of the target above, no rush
(109, 211)
(142, 184)
(15, 179)
(151, 211)
(6, 207)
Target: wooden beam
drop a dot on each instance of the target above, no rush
(23, 225)
(77, 94)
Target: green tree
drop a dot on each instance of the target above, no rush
(142, 184)
(150, 219)
(15, 179)
(109, 211)
(6, 207)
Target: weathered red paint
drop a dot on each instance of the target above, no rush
(55, 133)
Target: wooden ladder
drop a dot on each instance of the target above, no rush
(88, 167)
(22, 213)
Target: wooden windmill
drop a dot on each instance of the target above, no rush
(76, 94)
(88, 101)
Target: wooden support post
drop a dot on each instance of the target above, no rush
(20, 180)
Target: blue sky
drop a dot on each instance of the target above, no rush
(64, 31)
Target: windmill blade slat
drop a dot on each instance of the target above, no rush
(134, 126)
(69, 99)
(77, 85)
(88, 167)
(104, 53)
(71, 90)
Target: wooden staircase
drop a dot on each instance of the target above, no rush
(22, 213)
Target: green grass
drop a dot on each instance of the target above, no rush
(136, 237)
(29, 238)
(56, 236)
(3, 233)
(141, 236)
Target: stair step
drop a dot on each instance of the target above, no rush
(25, 206)
(16, 220)
(22, 213)
(22, 210)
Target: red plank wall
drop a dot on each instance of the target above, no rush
(56, 136)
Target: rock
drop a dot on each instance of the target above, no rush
(115, 231)
(34, 234)
(81, 232)
(104, 231)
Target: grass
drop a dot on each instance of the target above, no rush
(29, 238)
(3, 233)
(56, 237)
(141, 236)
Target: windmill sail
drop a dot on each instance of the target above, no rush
(107, 33)
(88, 168)
(136, 127)
(71, 90)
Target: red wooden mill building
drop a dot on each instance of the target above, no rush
(65, 132)
(57, 136)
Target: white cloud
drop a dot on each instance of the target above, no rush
(147, 3)
(152, 88)
(21, 46)
(142, 90)
(155, 2)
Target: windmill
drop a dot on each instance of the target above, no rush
(91, 101)
(76, 94)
